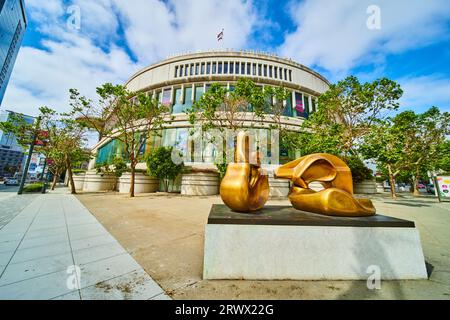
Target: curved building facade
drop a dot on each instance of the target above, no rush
(179, 81)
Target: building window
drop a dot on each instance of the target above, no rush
(275, 72)
(198, 92)
(231, 67)
(265, 70)
(187, 98)
(214, 68)
(166, 97)
(186, 67)
(285, 74)
(176, 71)
(300, 110)
(254, 69)
(192, 70)
(270, 71)
(197, 66)
(181, 71)
(178, 105)
(306, 102)
(248, 67)
(225, 67)
(236, 68)
(281, 73)
(259, 70)
(219, 68)
(208, 67)
(242, 67)
(313, 104)
(288, 109)
(202, 68)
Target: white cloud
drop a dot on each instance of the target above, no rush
(333, 34)
(88, 57)
(158, 29)
(423, 92)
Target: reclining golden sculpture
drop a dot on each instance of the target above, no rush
(336, 199)
(245, 189)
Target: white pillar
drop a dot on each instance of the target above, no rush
(193, 92)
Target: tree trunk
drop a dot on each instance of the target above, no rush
(72, 184)
(133, 173)
(55, 179)
(392, 182)
(415, 184)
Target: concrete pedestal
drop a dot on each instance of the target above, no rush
(284, 243)
(278, 187)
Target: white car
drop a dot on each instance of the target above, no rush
(11, 182)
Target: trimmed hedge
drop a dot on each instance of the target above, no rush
(34, 187)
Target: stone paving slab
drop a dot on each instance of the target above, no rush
(49, 238)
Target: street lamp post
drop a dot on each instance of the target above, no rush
(30, 153)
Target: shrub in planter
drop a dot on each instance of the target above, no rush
(359, 171)
(78, 171)
(34, 187)
(160, 165)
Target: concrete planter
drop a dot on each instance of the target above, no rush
(365, 187)
(94, 182)
(78, 181)
(380, 187)
(200, 183)
(142, 183)
(278, 187)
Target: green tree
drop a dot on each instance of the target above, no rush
(124, 116)
(408, 144)
(347, 111)
(160, 165)
(58, 136)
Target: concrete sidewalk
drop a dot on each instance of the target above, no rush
(51, 247)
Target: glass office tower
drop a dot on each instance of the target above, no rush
(13, 24)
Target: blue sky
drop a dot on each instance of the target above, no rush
(117, 37)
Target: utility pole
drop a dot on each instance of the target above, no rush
(30, 153)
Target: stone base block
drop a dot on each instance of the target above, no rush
(94, 182)
(78, 181)
(142, 183)
(200, 184)
(281, 243)
(278, 187)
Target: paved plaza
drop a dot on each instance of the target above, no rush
(151, 247)
(165, 234)
(51, 247)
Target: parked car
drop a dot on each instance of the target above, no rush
(11, 182)
(422, 188)
(431, 189)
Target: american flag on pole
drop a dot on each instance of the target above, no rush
(220, 36)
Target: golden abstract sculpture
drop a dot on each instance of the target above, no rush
(244, 188)
(337, 197)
